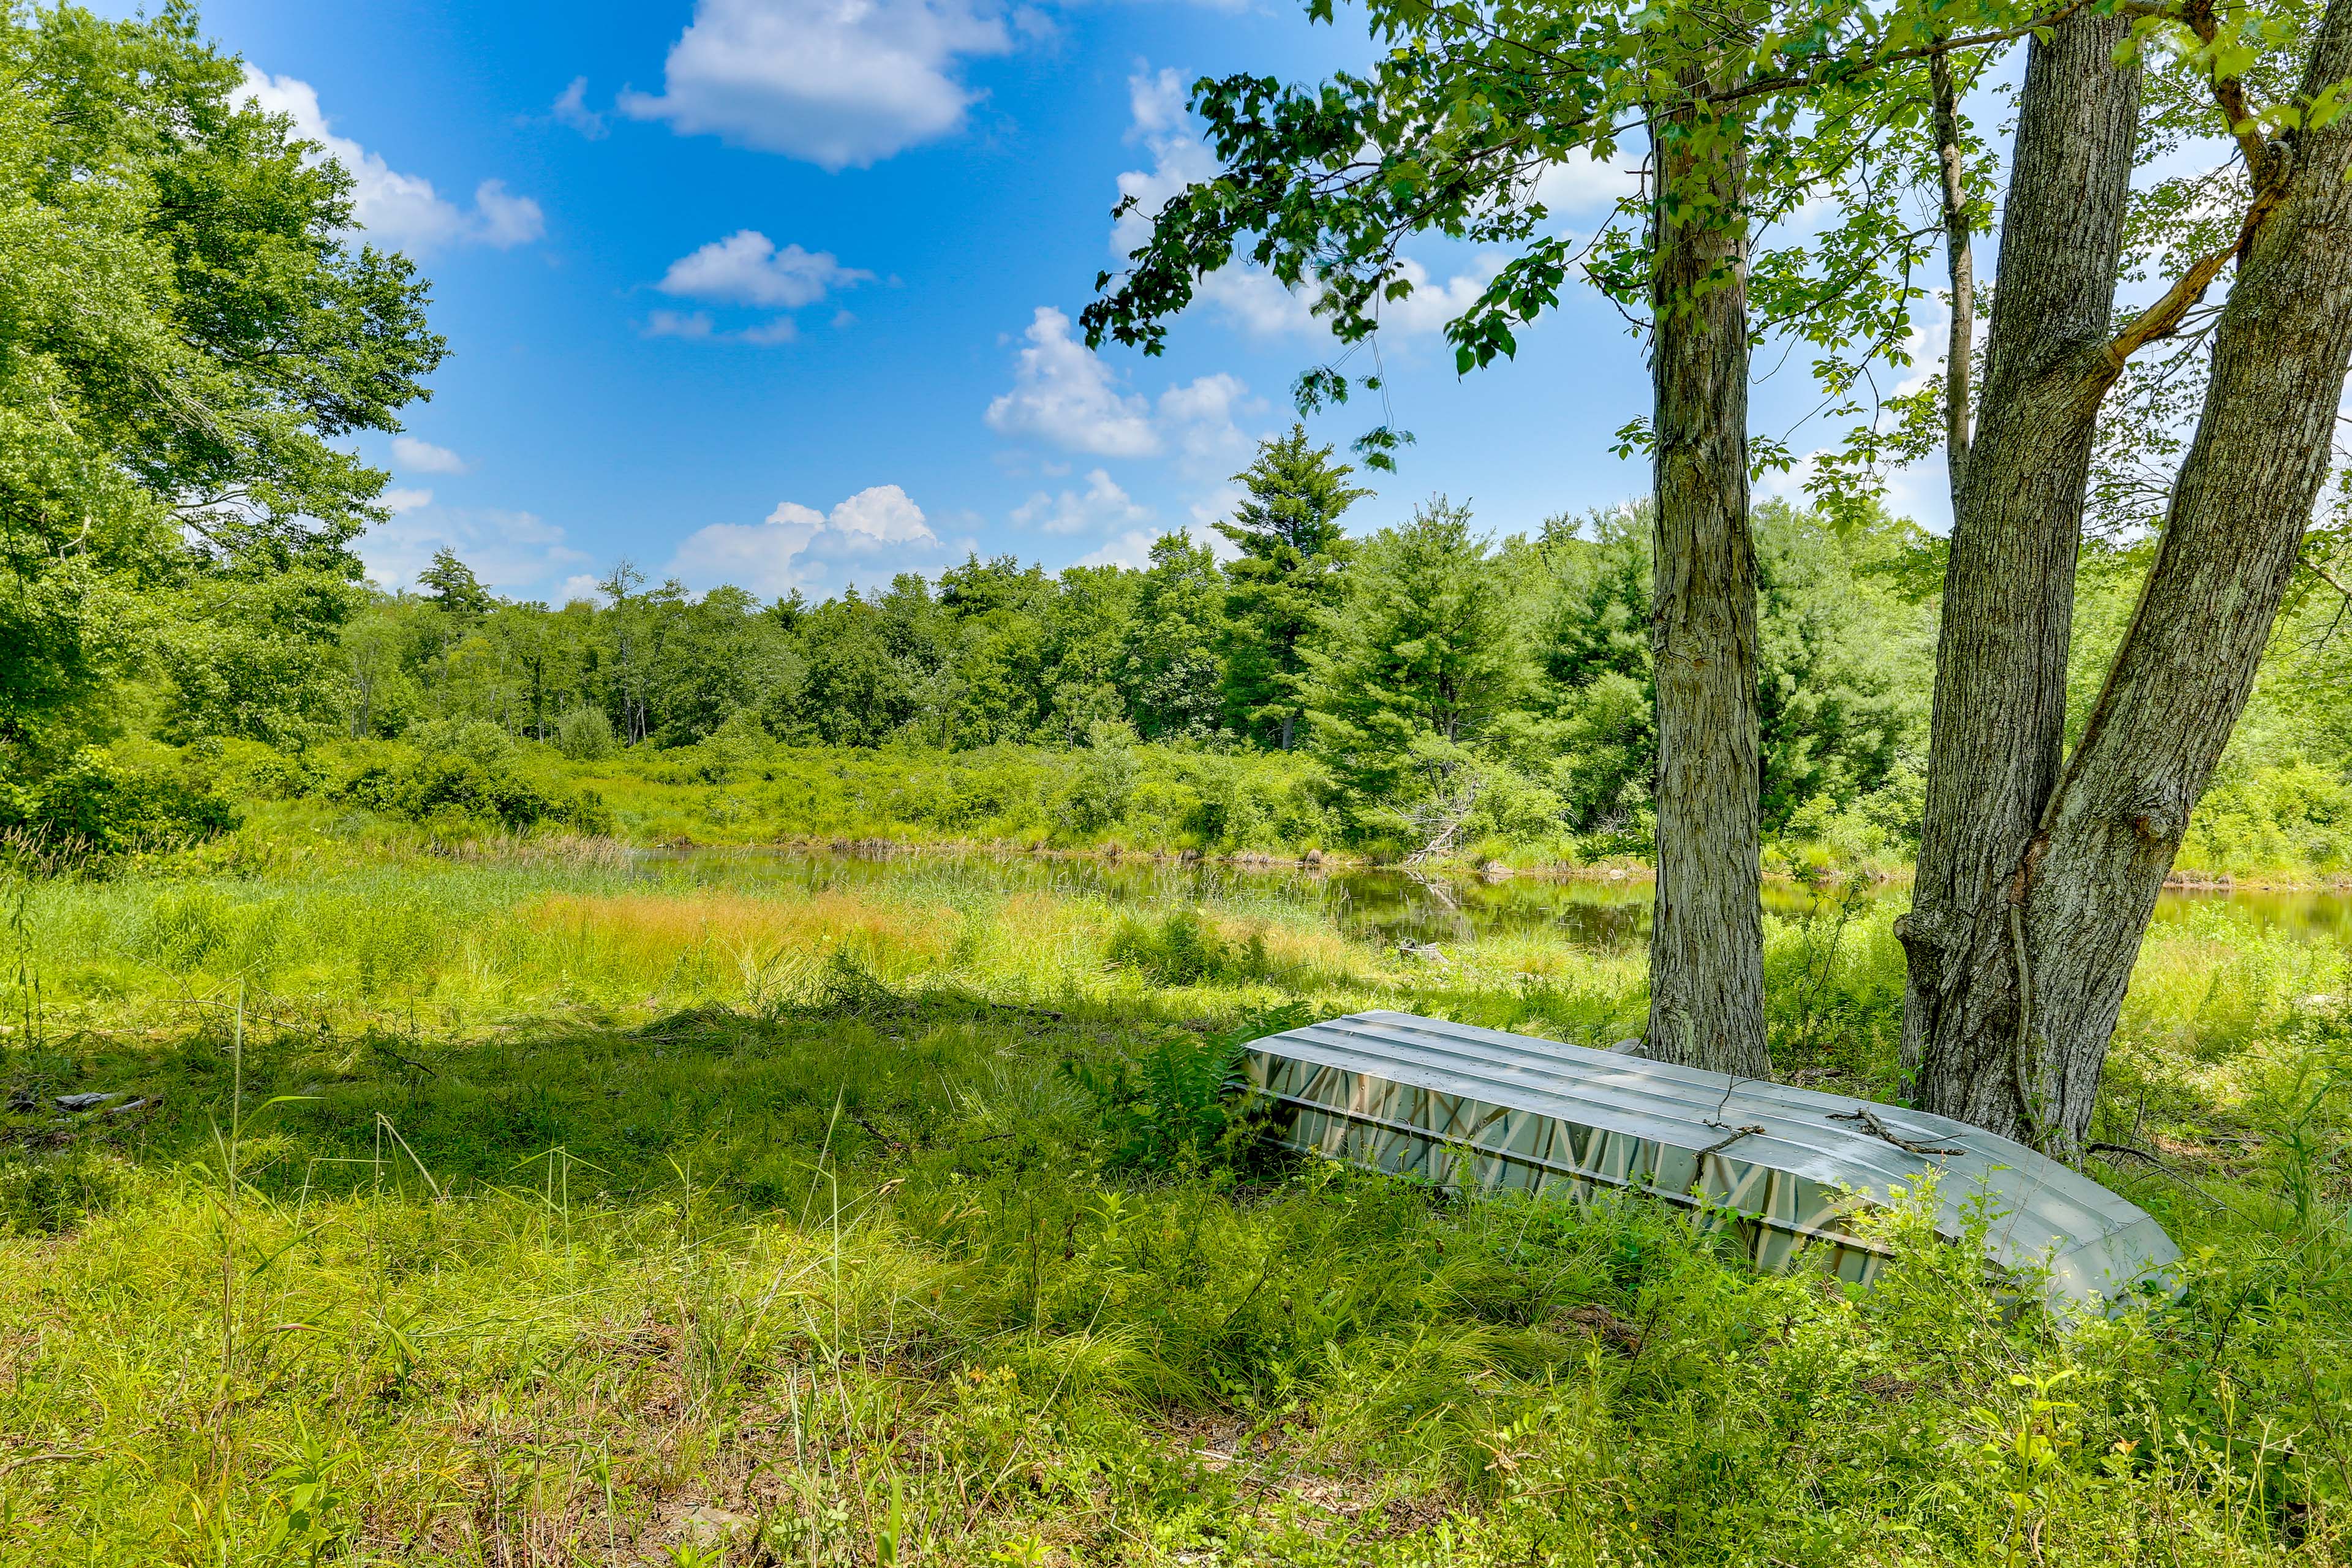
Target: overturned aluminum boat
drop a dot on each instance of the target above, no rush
(1785, 1169)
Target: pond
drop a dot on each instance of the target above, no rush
(1607, 911)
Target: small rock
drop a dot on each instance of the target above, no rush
(24, 1100)
(134, 1105)
(707, 1526)
(87, 1101)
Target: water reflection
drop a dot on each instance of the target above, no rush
(1387, 906)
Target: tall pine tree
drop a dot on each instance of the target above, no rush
(1293, 554)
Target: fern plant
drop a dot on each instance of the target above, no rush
(1184, 1101)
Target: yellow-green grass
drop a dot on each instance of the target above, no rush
(568, 1208)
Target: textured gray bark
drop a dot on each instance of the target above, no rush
(2001, 666)
(2240, 505)
(1707, 942)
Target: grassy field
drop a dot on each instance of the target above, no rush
(554, 1207)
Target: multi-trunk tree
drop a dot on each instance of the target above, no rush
(2039, 871)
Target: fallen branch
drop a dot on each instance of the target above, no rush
(1871, 1123)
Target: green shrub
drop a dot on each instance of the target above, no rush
(462, 789)
(96, 801)
(1175, 1104)
(584, 735)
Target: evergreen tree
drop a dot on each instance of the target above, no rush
(1417, 662)
(1170, 671)
(1288, 575)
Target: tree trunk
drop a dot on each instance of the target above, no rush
(2000, 663)
(2239, 508)
(1707, 942)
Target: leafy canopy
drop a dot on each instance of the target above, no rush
(185, 332)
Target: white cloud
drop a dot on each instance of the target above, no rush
(398, 501)
(1102, 506)
(1582, 183)
(1179, 158)
(1063, 393)
(515, 552)
(570, 108)
(402, 212)
(1131, 548)
(1256, 302)
(415, 456)
(1198, 417)
(1431, 305)
(797, 545)
(1249, 298)
(746, 268)
(692, 324)
(840, 83)
(769, 333)
(506, 220)
(696, 326)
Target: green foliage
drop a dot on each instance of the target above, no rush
(464, 777)
(1288, 578)
(100, 805)
(584, 735)
(1175, 1104)
(186, 341)
(1451, 126)
(612, 1149)
(1417, 664)
(1182, 949)
(50, 1193)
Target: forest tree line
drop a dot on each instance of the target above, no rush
(1423, 664)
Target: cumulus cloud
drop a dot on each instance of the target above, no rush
(503, 220)
(1249, 298)
(1131, 548)
(696, 326)
(840, 83)
(1582, 183)
(688, 324)
(398, 501)
(1063, 394)
(1198, 419)
(402, 212)
(415, 456)
(1102, 505)
(746, 268)
(796, 545)
(570, 108)
(514, 552)
(1155, 103)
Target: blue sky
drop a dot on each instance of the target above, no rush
(783, 292)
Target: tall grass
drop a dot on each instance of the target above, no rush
(555, 1210)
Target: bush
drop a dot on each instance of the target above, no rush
(469, 780)
(1173, 1105)
(584, 735)
(93, 800)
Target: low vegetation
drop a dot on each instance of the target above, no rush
(553, 1206)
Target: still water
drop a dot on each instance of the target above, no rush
(1393, 906)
